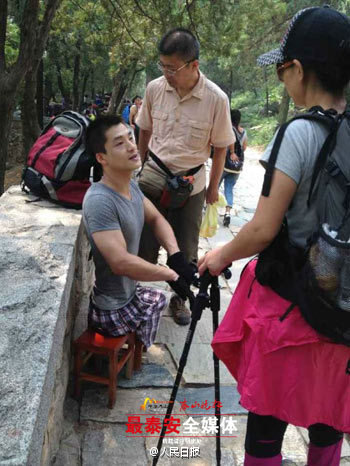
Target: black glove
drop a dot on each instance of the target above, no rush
(181, 288)
(178, 263)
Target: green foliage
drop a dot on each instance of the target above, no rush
(260, 128)
(12, 42)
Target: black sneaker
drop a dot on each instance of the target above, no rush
(227, 219)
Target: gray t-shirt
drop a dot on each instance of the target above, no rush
(103, 210)
(300, 147)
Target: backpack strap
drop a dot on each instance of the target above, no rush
(315, 114)
(272, 159)
(238, 141)
(161, 165)
(326, 150)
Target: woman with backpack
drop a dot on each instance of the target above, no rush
(233, 163)
(286, 371)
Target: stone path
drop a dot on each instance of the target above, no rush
(95, 435)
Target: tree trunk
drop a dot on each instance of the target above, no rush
(40, 94)
(92, 85)
(33, 37)
(7, 106)
(83, 89)
(122, 81)
(231, 86)
(29, 116)
(284, 107)
(76, 73)
(118, 91)
(48, 94)
(112, 100)
(61, 87)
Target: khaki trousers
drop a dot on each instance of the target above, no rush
(185, 222)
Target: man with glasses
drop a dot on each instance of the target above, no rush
(182, 115)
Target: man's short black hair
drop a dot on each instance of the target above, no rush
(96, 132)
(181, 42)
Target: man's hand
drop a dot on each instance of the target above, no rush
(181, 288)
(212, 195)
(178, 263)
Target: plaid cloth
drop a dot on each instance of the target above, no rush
(141, 314)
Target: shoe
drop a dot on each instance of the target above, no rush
(179, 311)
(227, 219)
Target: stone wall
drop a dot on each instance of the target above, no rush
(45, 280)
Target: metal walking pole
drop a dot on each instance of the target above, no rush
(197, 305)
(215, 308)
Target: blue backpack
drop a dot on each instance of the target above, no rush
(126, 113)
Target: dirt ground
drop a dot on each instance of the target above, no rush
(13, 176)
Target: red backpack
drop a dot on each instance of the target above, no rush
(58, 167)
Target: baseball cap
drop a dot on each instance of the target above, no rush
(316, 34)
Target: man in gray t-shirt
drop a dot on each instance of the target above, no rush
(114, 212)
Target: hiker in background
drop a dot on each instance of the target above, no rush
(126, 110)
(98, 100)
(233, 163)
(114, 212)
(286, 371)
(134, 109)
(90, 111)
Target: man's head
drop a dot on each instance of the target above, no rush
(112, 142)
(179, 54)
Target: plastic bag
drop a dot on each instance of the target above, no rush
(210, 220)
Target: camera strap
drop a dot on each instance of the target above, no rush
(165, 169)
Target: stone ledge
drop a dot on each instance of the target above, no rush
(39, 259)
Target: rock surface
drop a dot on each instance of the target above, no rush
(39, 258)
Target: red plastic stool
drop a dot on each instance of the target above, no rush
(90, 343)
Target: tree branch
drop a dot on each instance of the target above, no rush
(267, 33)
(123, 22)
(28, 27)
(144, 13)
(45, 25)
(189, 6)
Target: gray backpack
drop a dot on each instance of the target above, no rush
(318, 280)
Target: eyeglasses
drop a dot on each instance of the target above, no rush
(169, 71)
(280, 67)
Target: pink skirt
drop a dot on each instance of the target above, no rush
(283, 368)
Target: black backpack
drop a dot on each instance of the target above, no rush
(235, 166)
(317, 279)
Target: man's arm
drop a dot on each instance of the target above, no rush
(217, 168)
(132, 113)
(144, 137)
(112, 246)
(160, 227)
